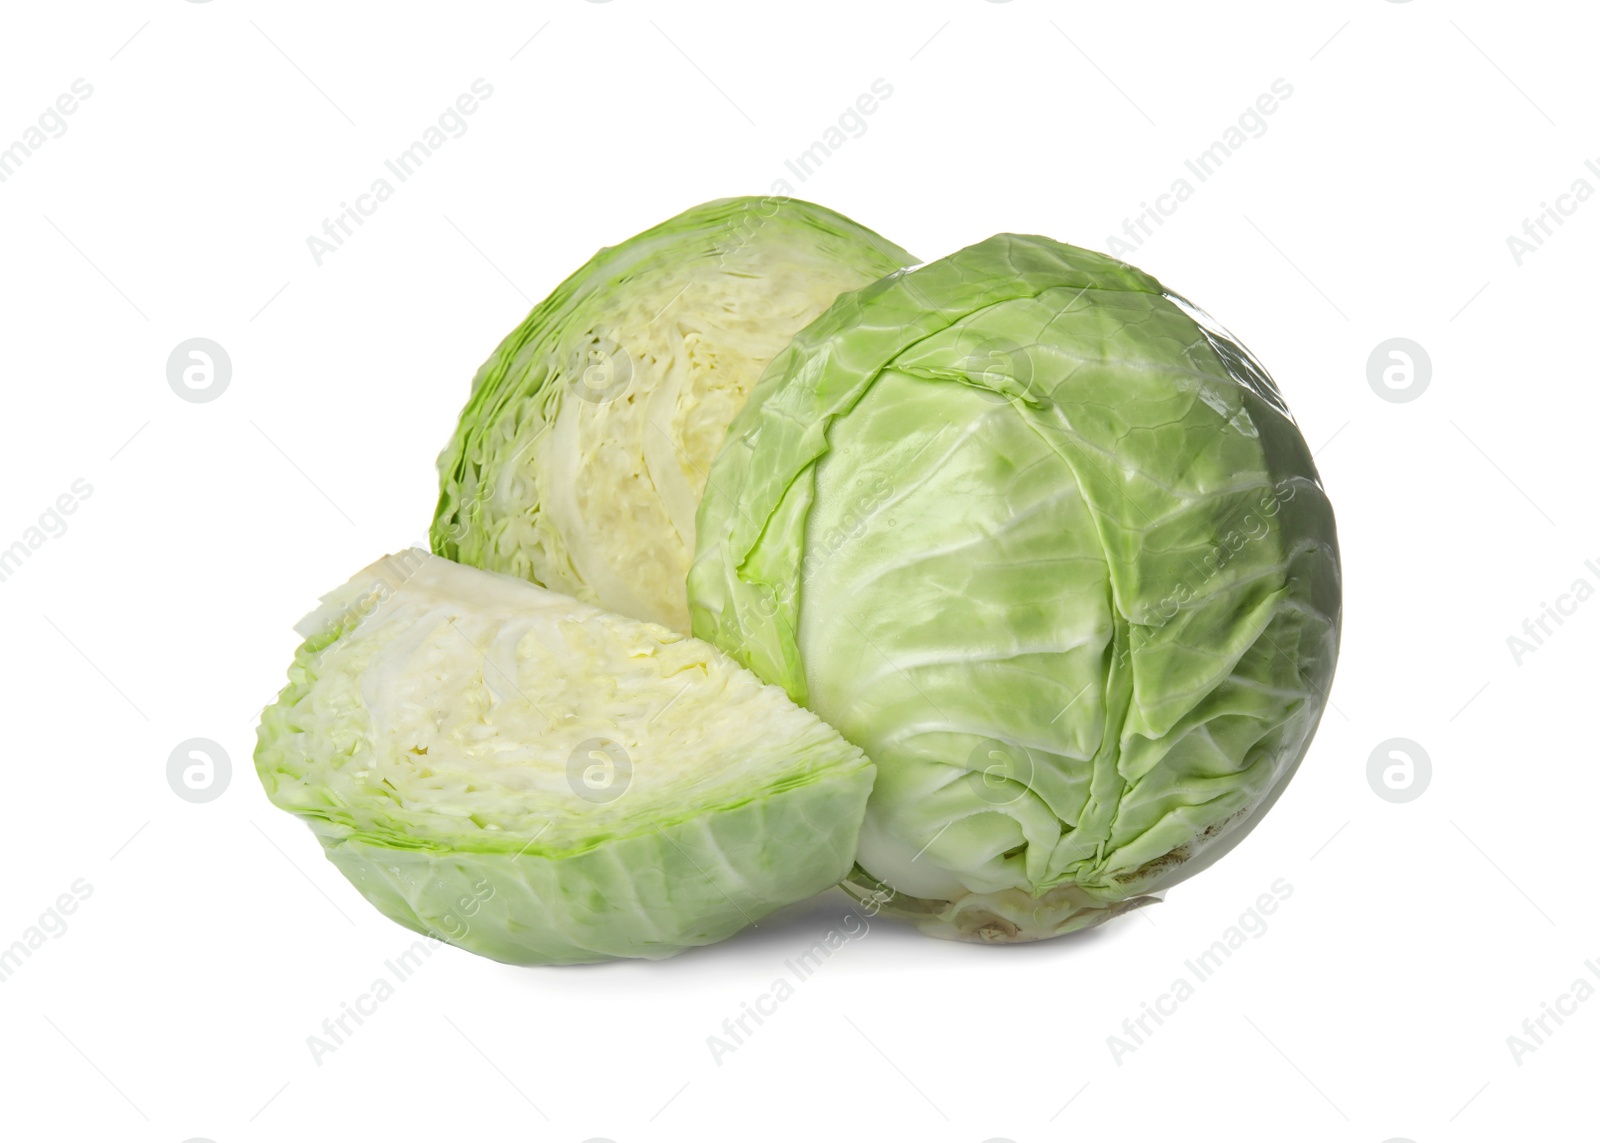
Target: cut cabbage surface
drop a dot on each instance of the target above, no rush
(582, 454)
(541, 781)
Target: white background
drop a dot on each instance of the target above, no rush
(1419, 935)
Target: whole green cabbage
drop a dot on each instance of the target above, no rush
(1044, 541)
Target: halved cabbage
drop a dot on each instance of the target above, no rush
(582, 454)
(543, 782)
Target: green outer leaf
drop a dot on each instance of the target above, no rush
(597, 498)
(648, 896)
(420, 678)
(955, 518)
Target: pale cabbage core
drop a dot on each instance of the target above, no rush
(459, 707)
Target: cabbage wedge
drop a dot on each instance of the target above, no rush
(542, 782)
